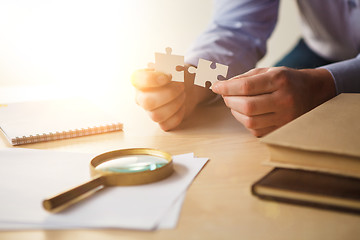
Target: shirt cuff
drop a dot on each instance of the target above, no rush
(346, 75)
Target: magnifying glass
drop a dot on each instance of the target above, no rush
(117, 168)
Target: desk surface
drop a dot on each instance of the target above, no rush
(218, 204)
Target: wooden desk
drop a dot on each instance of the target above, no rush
(218, 204)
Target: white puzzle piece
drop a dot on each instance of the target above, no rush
(205, 73)
(169, 64)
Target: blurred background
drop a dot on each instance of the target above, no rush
(92, 47)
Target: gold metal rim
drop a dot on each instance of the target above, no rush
(135, 178)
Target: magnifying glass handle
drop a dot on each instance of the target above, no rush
(73, 195)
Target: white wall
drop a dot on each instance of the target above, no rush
(97, 43)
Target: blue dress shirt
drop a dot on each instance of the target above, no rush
(239, 31)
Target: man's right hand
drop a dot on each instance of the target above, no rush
(162, 98)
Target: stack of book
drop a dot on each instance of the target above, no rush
(317, 158)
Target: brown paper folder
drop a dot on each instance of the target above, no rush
(310, 188)
(325, 139)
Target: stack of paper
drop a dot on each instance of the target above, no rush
(29, 176)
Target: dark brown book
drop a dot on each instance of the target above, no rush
(309, 188)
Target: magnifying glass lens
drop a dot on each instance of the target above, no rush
(131, 164)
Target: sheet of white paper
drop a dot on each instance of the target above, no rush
(171, 218)
(29, 176)
(169, 221)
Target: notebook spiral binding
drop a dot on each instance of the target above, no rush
(67, 134)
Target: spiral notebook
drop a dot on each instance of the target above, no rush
(40, 121)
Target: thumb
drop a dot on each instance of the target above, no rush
(146, 78)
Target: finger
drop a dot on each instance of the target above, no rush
(245, 86)
(155, 98)
(258, 121)
(163, 113)
(251, 105)
(252, 72)
(174, 120)
(262, 131)
(145, 78)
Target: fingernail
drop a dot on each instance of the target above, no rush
(215, 87)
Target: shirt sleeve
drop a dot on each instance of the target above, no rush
(346, 75)
(237, 34)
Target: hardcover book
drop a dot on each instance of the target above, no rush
(309, 188)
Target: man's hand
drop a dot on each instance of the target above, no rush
(167, 102)
(162, 98)
(264, 99)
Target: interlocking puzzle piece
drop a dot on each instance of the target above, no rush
(169, 64)
(205, 72)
